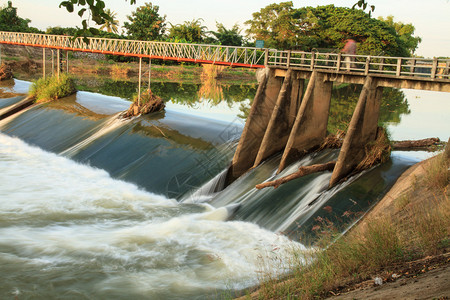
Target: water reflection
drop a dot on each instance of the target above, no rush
(214, 95)
(344, 97)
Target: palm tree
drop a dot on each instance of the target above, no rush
(112, 23)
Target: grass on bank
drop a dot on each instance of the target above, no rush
(420, 226)
(52, 88)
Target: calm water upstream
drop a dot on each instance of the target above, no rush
(94, 207)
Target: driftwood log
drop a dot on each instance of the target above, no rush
(410, 144)
(302, 171)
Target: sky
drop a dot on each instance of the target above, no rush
(431, 18)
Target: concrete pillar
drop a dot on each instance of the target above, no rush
(362, 130)
(310, 126)
(277, 132)
(297, 88)
(255, 126)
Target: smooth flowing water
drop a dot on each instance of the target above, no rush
(96, 207)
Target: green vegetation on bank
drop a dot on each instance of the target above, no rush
(52, 88)
(418, 225)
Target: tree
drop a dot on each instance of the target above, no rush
(405, 32)
(228, 37)
(190, 31)
(111, 23)
(61, 30)
(10, 21)
(276, 24)
(146, 23)
(282, 26)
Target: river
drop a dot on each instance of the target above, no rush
(95, 207)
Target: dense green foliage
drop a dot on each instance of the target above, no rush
(228, 37)
(10, 21)
(283, 26)
(146, 23)
(190, 31)
(52, 88)
(405, 32)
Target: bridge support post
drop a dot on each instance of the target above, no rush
(58, 62)
(140, 79)
(149, 72)
(255, 127)
(43, 62)
(276, 134)
(53, 62)
(362, 130)
(310, 126)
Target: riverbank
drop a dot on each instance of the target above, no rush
(399, 250)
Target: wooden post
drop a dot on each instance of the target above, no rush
(380, 68)
(67, 61)
(434, 68)
(399, 67)
(140, 77)
(413, 67)
(288, 59)
(338, 64)
(313, 54)
(43, 62)
(366, 71)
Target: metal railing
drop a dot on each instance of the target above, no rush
(241, 56)
(215, 54)
(375, 65)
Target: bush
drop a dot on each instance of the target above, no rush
(52, 88)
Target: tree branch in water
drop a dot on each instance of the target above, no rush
(302, 171)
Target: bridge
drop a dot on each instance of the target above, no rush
(288, 114)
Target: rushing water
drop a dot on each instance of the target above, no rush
(92, 206)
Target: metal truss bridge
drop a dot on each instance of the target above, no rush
(333, 63)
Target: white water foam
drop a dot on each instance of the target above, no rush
(68, 227)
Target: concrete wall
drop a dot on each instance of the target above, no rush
(362, 131)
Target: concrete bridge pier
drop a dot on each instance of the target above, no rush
(282, 118)
(257, 121)
(310, 126)
(361, 132)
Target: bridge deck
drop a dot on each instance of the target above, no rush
(403, 72)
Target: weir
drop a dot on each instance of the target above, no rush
(284, 119)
